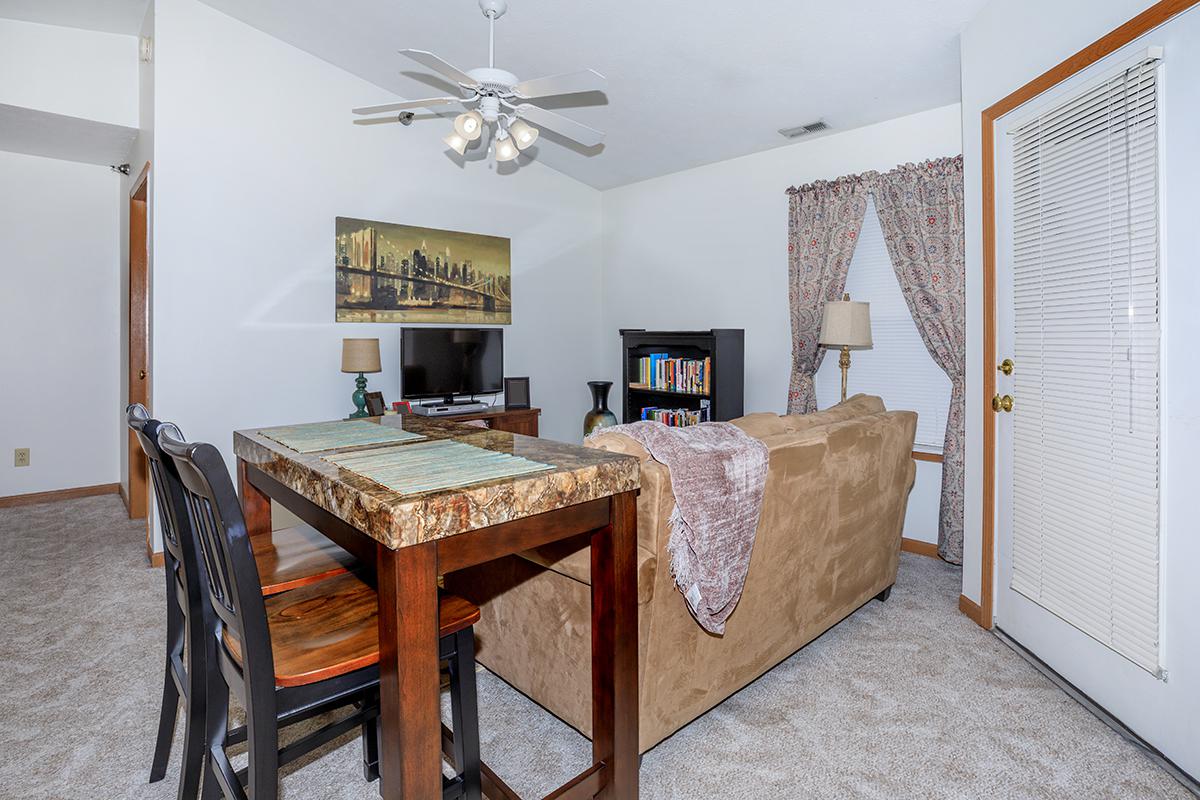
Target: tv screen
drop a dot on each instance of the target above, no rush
(444, 362)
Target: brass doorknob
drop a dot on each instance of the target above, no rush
(1006, 366)
(1004, 403)
(141, 374)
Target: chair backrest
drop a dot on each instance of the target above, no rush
(182, 561)
(168, 494)
(234, 589)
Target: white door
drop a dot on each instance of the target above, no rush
(1079, 456)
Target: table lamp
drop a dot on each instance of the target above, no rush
(360, 355)
(846, 325)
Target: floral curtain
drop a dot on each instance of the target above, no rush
(920, 208)
(824, 220)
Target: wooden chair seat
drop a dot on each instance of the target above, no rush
(331, 628)
(293, 557)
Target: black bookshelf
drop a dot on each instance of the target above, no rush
(723, 345)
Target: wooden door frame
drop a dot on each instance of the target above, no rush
(1154, 16)
(138, 329)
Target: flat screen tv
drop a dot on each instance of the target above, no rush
(448, 362)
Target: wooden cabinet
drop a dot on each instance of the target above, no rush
(517, 420)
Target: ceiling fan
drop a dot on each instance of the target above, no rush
(500, 98)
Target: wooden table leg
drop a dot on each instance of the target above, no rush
(256, 506)
(615, 649)
(410, 760)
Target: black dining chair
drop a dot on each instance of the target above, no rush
(284, 559)
(300, 653)
(188, 616)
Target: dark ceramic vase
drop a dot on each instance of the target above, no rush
(599, 416)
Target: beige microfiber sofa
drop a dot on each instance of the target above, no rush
(828, 541)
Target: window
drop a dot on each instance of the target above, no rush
(898, 368)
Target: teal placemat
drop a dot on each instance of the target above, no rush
(331, 435)
(430, 466)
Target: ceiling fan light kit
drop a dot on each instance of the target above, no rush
(469, 125)
(499, 98)
(506, 148)
(456, 143)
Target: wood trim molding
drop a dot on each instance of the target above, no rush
(919, 548)
(972, 611)
(155, 557)
(136, 186)
(58, 494)
(934, 457)
(1151, 18)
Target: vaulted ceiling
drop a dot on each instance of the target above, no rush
(689, 83)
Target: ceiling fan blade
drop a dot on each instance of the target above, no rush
(441, 67)
(589, 137)
(379, 120)
(426, 103)
(587, 80)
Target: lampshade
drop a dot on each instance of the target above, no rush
(846, 323)
(360, 355)
(506, 149)
(523, 133)
(469, 125)
(456, 143)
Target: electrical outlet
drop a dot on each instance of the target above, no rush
(21, 457)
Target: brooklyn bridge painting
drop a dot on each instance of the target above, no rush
(400, 273)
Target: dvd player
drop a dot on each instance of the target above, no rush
(448, 409)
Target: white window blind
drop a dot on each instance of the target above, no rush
(898, 367)
(1086, 425)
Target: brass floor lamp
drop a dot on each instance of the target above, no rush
(846, 324)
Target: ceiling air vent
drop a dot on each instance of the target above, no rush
(804, 130)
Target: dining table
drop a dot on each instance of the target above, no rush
(415, 498)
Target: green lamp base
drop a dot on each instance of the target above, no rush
(360, 397)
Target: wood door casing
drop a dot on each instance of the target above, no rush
(139, 342)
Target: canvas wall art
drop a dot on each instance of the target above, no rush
(401, 273)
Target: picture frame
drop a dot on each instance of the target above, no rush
(401, 407)
(516, 392)
(375, 404)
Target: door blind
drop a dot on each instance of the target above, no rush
(1086, 340)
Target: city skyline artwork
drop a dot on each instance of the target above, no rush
(387, 272)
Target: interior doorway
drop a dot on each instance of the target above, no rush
(139, 341)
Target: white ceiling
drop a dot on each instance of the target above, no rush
(112, 16)
(40, 133)
(689, 84)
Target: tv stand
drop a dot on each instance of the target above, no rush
(518, 420)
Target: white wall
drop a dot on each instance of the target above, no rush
(58, 322)
(255, 155)
(707, 248)
(1166, 713)
(69, 71)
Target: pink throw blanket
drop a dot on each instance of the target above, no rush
(718, 474)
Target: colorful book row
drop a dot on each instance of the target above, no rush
(675, 417)
(661, 372)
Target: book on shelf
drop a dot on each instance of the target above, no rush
(676, 417)
(660, 372)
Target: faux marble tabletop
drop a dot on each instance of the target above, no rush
(579, 474)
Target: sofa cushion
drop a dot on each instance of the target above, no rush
(760, 424)
(618, 443)
(860, 405)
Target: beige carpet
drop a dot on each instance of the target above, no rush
(905, 699)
